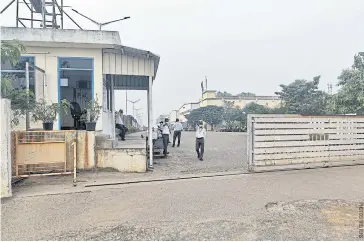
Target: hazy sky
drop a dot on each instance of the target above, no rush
(240, 45)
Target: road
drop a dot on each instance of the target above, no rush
(295, 205)
(316, 204)
(223, 152)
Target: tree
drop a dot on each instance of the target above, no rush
(11, 51)
(246, 94)
(22, 101)
(303, 97)
(227, 94)
(223, 94)
(210, 114)
(256, 108)
(229, 113)
(350, 97)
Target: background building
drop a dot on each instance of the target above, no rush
(210, 98)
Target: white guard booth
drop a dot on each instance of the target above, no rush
(126, 68)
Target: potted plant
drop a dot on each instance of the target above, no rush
(93, 114)
(47, 112)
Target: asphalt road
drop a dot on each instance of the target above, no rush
(320, 204)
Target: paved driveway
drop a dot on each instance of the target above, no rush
(223, 152)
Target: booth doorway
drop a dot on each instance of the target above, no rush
(75, 84)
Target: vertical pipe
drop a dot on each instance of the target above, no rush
(27, 120)
(54, 18)
(113, 108)
(148, 105)
(43, 14)
(150, 121)
(31, 16)
(61, 14)
(75, 159)
(17, 13)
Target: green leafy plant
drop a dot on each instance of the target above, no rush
(47, 112)
(22, 101)
(11, 51)
(93, 110)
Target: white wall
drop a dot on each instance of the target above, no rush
(47, 59)
(5, 155)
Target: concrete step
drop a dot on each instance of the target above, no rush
(103, 141)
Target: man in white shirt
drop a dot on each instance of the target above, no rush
(177, 130)
(119, 124)
(200, 140)
(165, 134)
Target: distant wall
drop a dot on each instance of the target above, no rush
(5, 135)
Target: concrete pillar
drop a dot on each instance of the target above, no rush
(5, 135)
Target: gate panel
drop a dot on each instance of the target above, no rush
(40, 152)
(293, 141)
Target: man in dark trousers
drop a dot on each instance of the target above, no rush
(200, 140)
(165, 133)
(119, 124)
(177, 130)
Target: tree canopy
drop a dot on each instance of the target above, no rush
(227, 94)
(350, 97)
(22, 101)
(303, 97)
(210, 114)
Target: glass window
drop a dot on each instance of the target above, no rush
(75, 63)
(16, 73)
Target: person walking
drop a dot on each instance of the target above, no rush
(119, 124)
(177, 130)
(200, 140)
(165, 133)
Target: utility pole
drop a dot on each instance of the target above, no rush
(133, 102)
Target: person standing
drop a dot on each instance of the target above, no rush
(119, 124)
(177, 130)
(200, 140)
(165, 134)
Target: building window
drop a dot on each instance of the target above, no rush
(76, 63)
(16, 73)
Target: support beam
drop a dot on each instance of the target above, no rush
(150, 121)
(7, 6)
(113, 106)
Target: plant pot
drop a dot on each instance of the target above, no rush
(47, 126)
(90, 126)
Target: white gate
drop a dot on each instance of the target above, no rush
(278, 142)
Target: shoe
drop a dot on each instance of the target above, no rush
(201, 159)
(173, 146)
(177, 145)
